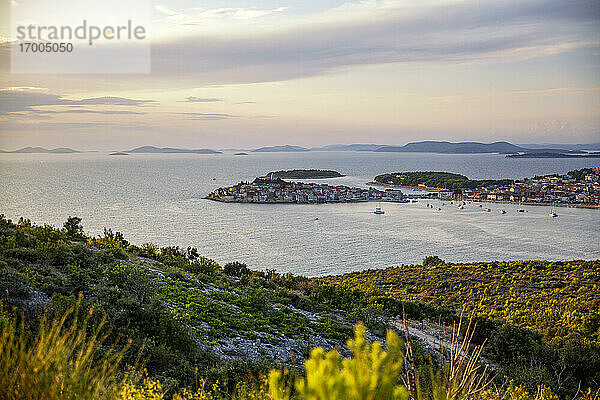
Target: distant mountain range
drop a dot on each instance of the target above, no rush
(31, 150)
(428, 146)
(444, 147)
(153, 149)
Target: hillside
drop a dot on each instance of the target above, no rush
(187, 316)
(560, 300)
(438, 180)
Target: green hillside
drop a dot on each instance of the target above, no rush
(188, 322)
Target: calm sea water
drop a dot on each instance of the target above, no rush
(158, 198)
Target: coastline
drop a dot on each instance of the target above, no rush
(421, 188)
(221, 200)
(440, 190)
(592, 207)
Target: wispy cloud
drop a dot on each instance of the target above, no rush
(205, 116)
(18, 99)
(192, 99)
(376, 32)
(558, 91)
(86, 111)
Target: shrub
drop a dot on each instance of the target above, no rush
(59, 362)
(236, 269)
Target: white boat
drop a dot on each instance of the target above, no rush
(552, 213)
(502, 212)
(460, 207)
(479, 205)
(378, 211)
(439, 209)
(487, 210)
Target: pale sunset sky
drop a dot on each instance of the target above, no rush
(244, 74)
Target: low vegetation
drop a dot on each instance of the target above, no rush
(304, 174)
(439, 180)
(109, 319)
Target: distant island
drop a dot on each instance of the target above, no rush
(41, 150)
(241, 154)
(554, 155)
(441, 147)
(347, 147)
(435, 180)
(118, 153)
(170, 150)
(454, 148)
(304, 174)
(565, 146)
(285, 148)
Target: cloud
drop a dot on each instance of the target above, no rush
(192, 99)
(110, 100)
(191, 51)
(376, 32)
(202, 16)
(18, 99)
(85, 111)
(555, 91)
(205, 116)
(7, 127)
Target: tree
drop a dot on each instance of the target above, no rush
(236, 269)
(433, 260)
(73, 227)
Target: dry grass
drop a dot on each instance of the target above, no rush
(58, 362)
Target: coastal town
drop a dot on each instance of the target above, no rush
(267, 190)
(580, 188)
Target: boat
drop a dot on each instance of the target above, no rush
(552, 213)
(378, 211)
(439, 209)
(487, 210)
(502, 212)
(519, 209)
(460, 207)
(479, 205)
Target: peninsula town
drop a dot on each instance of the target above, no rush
(267, 190)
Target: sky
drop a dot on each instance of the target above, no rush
(245, 74)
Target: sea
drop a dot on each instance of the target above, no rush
(159, 198)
